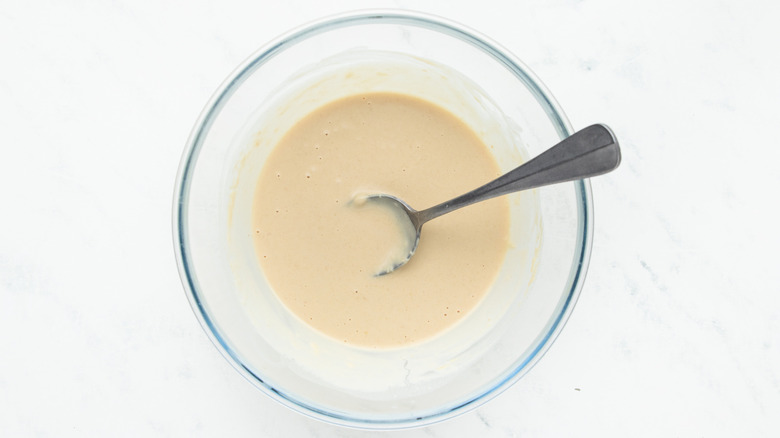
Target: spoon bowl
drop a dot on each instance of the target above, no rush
(409, 221)
(589, 152)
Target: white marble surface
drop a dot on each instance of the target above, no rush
(677, 332)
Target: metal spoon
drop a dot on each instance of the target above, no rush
(589, 152)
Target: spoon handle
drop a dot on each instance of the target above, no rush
(589, 152)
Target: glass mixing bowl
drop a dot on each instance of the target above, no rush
(469, 364)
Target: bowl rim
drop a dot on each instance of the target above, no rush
(385, 16)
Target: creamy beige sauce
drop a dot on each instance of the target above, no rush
(319, 252)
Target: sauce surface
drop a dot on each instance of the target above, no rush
(319, 251)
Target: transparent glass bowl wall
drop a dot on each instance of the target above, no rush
(202, 217)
